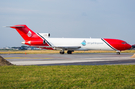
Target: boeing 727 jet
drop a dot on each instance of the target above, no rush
(44, 41)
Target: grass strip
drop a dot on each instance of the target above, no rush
(56, 51)
(68, 77)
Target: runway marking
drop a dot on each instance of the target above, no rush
(50, 62)
(24, 58)
(68, 61)
(113, 58)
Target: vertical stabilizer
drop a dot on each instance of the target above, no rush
(26, 33)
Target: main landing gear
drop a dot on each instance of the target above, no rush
(68, 52)
(62, 52)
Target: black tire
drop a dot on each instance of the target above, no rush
(69, 52)
(118, 53)
(61, 52)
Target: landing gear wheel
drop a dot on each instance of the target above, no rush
(69, 52)
(118, 53)
(61, 52)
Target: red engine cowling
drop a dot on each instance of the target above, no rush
(33, 43)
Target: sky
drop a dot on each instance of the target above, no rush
(68, 18)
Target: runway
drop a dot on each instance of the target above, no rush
(70, 59)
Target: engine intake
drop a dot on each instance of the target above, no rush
(45, 34)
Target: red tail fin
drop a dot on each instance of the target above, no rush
(26, 33)
(30, 37)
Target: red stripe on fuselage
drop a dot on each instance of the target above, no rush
(118, 44)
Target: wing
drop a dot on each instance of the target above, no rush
(62, 47)
(67, 47)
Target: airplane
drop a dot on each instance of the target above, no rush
(44, 41)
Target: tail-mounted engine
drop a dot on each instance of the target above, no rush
(31, 43)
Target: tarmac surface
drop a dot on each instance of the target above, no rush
(70, 59)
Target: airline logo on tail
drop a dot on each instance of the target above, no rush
(29, 34)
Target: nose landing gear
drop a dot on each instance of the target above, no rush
(118, 52)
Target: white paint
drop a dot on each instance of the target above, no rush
(91, 43)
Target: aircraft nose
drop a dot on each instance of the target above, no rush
(128, 46)
(118, 44)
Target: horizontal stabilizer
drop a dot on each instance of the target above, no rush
(13, 26)
(26, 33)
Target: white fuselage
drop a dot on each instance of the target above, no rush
(84, 43)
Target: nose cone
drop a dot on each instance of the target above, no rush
(118, 44)
(128, 46)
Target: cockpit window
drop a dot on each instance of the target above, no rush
(124, 43)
